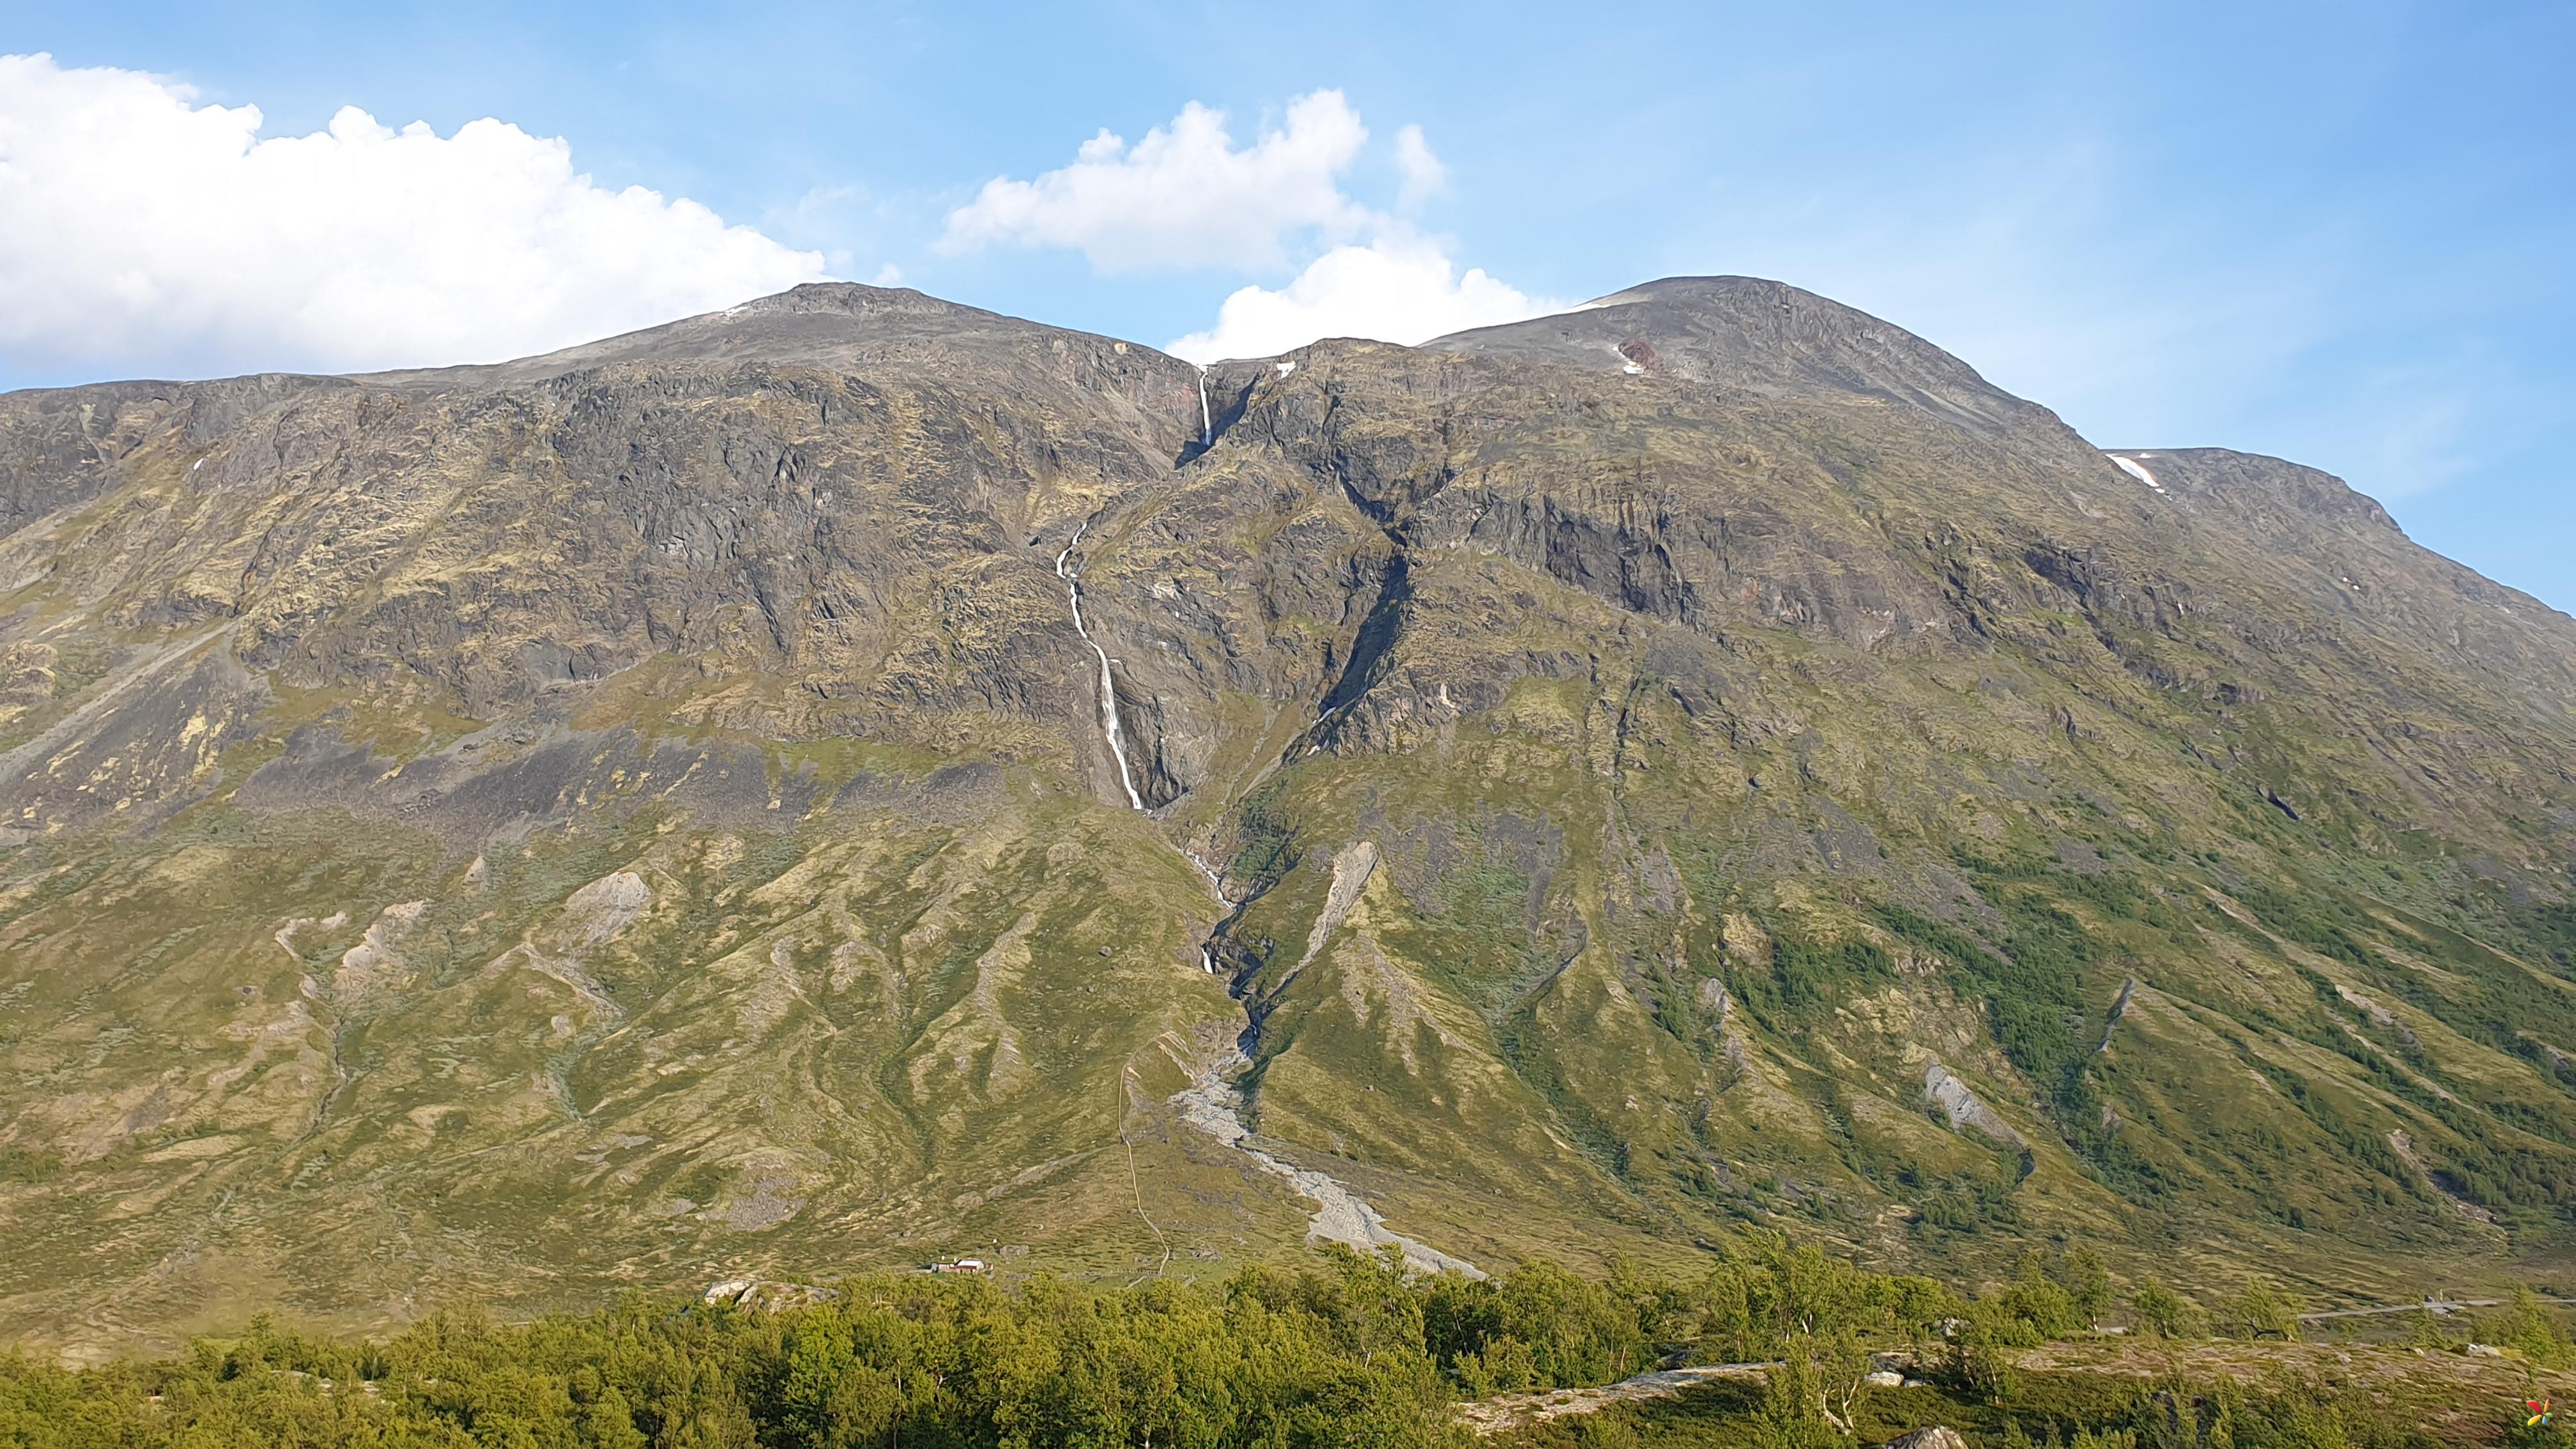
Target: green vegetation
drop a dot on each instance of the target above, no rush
(550, 835)
(2056, 1411)
(1340, 1350)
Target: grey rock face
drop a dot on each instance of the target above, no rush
(1588, 768)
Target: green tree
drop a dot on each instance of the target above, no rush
(2263, 1311)
(2162, 1313)
(2531, 1328)
(1842, 1366)
(1981, 1350)
(607, 1423)
(1791, 1414)
(2087, 1283)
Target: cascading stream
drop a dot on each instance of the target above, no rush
(1215, 1101)
(1109, 726)
(1213, 1104)
(1108, 685)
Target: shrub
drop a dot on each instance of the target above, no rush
(2263, 1311)
(2162, 1313)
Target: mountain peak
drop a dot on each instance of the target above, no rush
(838, 325)
(1753, 335)
(801, 785)
(855, 299)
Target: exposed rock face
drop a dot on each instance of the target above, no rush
(1936, 1437)
(1964, 1107)
(643, 814)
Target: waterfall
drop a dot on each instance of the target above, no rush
(1213, 1104)
(1207, 429)
(1108, 687)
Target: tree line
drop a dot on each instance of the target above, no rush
(1341, 1350)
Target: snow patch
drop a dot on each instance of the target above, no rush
(2138, 470)
(1615, 299)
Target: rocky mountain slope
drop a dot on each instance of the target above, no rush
(1705, 761)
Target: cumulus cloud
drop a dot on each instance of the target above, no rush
(140, 230)
(1396, 289)
(1183, 196)
(1422, 173)
(1187, 196)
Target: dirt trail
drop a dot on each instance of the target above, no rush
(1516, 1411)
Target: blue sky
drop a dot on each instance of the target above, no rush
(2339, 233)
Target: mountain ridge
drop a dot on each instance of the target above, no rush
(1704, 762)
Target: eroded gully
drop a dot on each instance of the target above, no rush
(1214, 1104)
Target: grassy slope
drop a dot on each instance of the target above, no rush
(1726, 763)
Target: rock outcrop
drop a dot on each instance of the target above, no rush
(645, 812)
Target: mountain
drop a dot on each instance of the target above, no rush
(855, 779)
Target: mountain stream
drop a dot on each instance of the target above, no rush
(1213, 1104)
(1108, 687)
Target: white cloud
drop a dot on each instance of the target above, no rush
(1187, 196)
(1183, 196)
(1423, 174)
(141, 231)
(1396, 289)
